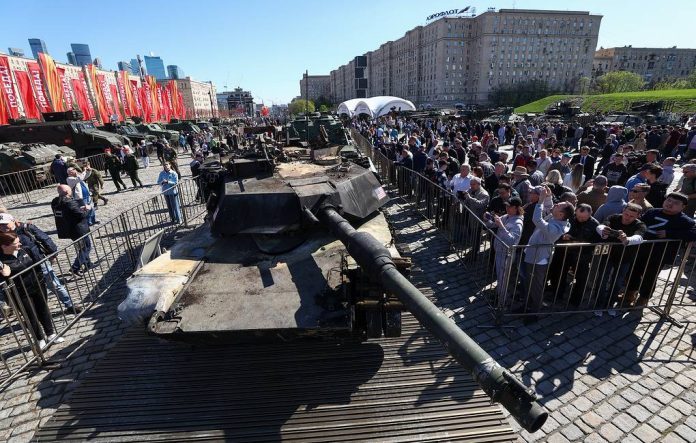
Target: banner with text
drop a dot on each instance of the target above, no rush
(9, 96)
(37, 85)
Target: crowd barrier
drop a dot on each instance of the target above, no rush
(605, 278)
(36, 298)
(32, 185)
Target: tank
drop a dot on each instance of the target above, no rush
(297, 249)
(63, 128)
(183, 126)
(130, 132)
(158, 130)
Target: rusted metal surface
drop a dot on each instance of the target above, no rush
(401, 389)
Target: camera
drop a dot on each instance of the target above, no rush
(613, 233)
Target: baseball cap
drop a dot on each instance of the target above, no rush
(6, 218)
(568, 155)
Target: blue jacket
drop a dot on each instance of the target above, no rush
(172, 179)
(34, 240)
(544, 236)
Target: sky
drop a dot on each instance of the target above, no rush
(265, 47)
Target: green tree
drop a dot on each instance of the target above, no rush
(301, 105)
(619, 81)
(323, 108)
(584, 85)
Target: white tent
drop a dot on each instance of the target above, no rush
(375, 106)
(348, 107)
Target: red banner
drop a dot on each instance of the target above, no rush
(53, 82)
(9, 96)
(135, 93)
(83, 101)
(125, 92)
(25, 91)
(116, 102)
(150, 85)
(168, 100)
(38, 87)
(148, 106)
(163, 114)
(67, 90)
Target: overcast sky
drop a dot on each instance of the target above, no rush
(266, 46)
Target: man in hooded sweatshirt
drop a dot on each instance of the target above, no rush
(538, 253)
(615, 204)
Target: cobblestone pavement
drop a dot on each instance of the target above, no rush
(628, 379)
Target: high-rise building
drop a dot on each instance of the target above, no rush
(37, 45)
(135, 67)
(653, 64)
(83, 56)
(125, 66)
(71, 58)
(155, 66)
(175, 72)
(463, 59)
(15, 52)
(314, 87)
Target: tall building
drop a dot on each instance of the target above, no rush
(83, 56)
(125, 66)
(653, 64)
(71, 58)
(463, 59)
(175, 72)
(221, 98)
(135, 67)
(37, 45)
(315, 86)
(15, 52)
(155, 66)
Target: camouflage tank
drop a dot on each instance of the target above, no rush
(129, 131)
(158, 130)
(323, 134)
(15, 157)
(291, 250)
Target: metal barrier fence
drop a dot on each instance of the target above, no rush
(31, 185)
(40, 296)
(579, 277)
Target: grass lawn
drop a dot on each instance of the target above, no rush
(683, 101)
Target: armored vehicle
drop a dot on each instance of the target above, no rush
(183, 126)
(63, 128)
(34, 158)
(157, 130)
(294, 249)
(621, 120)
(129, 131)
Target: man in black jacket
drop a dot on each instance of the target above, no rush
(71, 222)
(39, 245)
(586, 160)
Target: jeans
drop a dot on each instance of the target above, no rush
(83, 248)
(92, 216)
(146, 162)
(173, 207)
(54, 285)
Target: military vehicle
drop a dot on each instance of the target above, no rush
(33, 158)
(129, 131)
(158, 131)
(621, 120)
(183, 126)
(296, 250)
(63, 128)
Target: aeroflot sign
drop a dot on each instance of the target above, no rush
(446, 13)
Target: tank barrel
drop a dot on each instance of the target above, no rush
(501, 385)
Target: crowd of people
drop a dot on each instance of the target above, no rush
(545, 185)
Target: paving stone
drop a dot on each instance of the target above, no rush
(673, 438)
(557, 438)
(619, 403)
(683, 407)
(659, 423)
(646, 433)
(594, 438)
(670, 414)
(570, 412)
(610, 432)
(685, 432)
(624, 422)
(572, 432)
(663, 396)
(29, 426)
(651, 404)
(631, 395)
(639, 413)
(592, 419)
